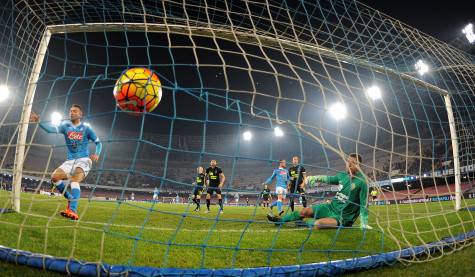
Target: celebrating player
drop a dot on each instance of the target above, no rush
(266, 197)
(297, 181)
(349, 202)
(78, 163)
(215, 178)
(282, 176)
(199, 186)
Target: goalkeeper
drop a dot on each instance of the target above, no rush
(349, 202)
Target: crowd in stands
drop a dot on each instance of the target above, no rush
(173, 172)
(423, 192)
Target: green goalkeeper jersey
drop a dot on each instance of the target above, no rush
(351, 199)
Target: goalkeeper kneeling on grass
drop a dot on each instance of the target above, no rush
(349, 202)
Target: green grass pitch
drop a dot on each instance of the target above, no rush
(163, 235)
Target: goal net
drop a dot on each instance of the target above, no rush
(245, 83)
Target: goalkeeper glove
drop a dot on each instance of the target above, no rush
(313, 180)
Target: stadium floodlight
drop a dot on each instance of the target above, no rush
(421, 67)
(468, 31)
(338, 111)
(4, 93)
(56, 118)
(374, 92)
(278, 132)
(247, 135)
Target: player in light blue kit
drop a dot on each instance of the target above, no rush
(155, 194)
(78, 163)
(282, 177)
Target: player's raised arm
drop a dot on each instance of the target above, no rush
(331, 180)
(271, 178)
(47, 126)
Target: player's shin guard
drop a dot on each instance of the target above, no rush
(279, 205)
(61, 188)
(208, 202)
(292, 204)
(293, 216)
(197, 201)
(304, 201)
(220, 201)
(76, 194)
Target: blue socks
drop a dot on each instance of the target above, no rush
(61, 188)
(278, 204)
(76, 193)
(72, 197)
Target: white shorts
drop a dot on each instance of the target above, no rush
(281, 190)
(70, 166)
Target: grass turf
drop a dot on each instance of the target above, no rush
(162, 235)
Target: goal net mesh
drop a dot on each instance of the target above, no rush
(228, 67)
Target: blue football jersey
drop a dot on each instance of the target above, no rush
(282, 176)
(77, 139)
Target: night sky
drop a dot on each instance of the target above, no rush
(439, 19)
(442, 22)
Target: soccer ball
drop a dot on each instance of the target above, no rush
(138, 90)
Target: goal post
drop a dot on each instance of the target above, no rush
(25, 119)
(455, 151)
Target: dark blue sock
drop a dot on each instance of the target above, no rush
(61, 188)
